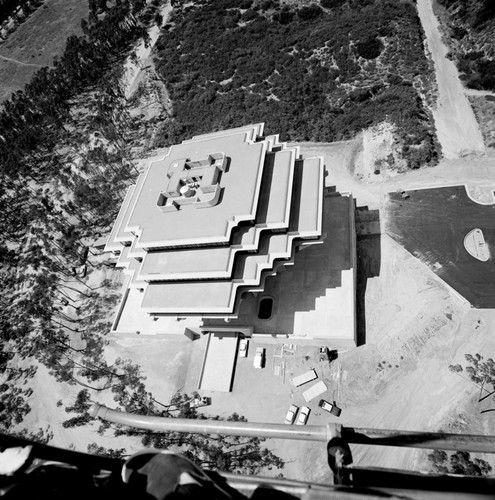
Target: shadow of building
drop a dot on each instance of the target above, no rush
(311, 298)
(368, 259)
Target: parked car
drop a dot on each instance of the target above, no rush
(331, 408)
(259, 358)
(404, 194)
(199, 402)
(303, 415)
(291, 414)
(243, 348)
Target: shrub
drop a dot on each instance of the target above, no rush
(309, 12)
(370, 48)
(331, 4)
(249, 15)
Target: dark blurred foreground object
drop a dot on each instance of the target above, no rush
(32, 470)
(166, 475)
(149, 474)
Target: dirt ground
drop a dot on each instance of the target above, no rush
(414, 328)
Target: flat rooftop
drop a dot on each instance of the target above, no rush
(219, 296)
(273, 213)
(315, 297)
(190, 225)
(219, 363)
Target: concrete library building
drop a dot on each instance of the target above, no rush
(234, 234)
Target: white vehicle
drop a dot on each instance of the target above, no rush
(303, 415)
(259, 358)
(304, 378)
(243, 348)
(291, 414)
(200, 401)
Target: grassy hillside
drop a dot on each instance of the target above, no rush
(471, 33)
(37, 41)
(311, 73)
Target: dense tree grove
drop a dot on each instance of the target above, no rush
(472, 28)
(476, 13)
(315, 73)
(459, 462)
(64, 162)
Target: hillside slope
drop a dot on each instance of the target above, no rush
(312, 73)
(471, 34)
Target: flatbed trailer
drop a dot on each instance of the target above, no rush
(304, 378)
(315, 391)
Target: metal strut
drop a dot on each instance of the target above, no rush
(324, 433)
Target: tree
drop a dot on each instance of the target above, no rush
(439, 460)
(482, 373)
(370, 48)
(82, 403)
(95, 449)
(158, 19)
(232, 453)
(77, 421)
(42, 436)
(331, 4)
(459, 462)
(309, 12)
(216, 452)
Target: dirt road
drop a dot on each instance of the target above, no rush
(457, 128)
(22, 63)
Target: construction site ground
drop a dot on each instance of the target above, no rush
(412, 326)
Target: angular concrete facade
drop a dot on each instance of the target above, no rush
(207, 227)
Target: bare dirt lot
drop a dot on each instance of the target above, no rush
(414, 327)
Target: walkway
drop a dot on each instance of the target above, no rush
(33, 65)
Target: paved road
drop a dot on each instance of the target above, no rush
(457, 128)
(432, 223)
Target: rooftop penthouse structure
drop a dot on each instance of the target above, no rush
(210, 227)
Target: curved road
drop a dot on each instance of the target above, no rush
(457, 128)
